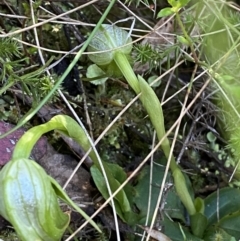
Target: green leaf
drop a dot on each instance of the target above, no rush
(120, 175)
(173, 231)
(199, 205)
(173, 3)
(231, 224)
(211, 137)
(62, 195)
(94, 71)
(182, 191)
(153, 106)
(184, 2)
(198, 224)
(216, 233)
(165, 12)
(142, 189)
(123, 199)
(101, 185)
(227, 78)
(151, 79)
(221, 203)
(183, 40)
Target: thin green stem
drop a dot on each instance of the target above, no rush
(26, 143)
(187, 37)
(127, 71)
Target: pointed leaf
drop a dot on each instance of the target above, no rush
(198, 224)
(165, 12)
(231, 224)
(62, 195)
(221, 203)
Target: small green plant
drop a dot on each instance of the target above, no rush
(13, 72)
(115, 45)
(29, 197)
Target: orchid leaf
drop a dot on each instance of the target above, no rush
(94, 71)
(219, 205)
(123, 198)
(101, 185)
(62, 195)
(231, 224)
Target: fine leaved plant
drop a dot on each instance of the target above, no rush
(222, 58)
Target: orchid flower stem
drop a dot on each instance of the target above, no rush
(147, 100)
(115, 45)
(153, 107)
(70, 128)
(127, 71)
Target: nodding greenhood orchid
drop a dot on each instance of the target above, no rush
(29, 196)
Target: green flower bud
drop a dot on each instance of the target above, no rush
(29, 202)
